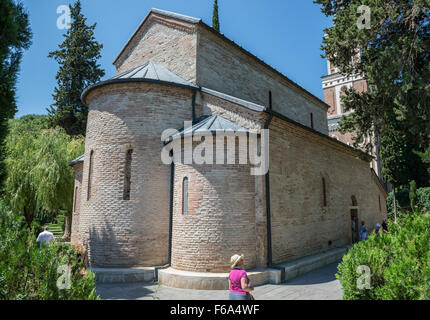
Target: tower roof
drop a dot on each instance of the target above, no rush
(153, 71)
(148, 72)
(79, 159)
(208, 125)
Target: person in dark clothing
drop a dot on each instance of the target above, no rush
(384, 226)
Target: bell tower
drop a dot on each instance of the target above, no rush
(334, 85)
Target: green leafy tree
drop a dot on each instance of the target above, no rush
(399, 262)
(38, 174)
(77, 57)
(215, 17)
(15, 36)
(30, 272)
(391, 50)
(400, 161)
(413, 194)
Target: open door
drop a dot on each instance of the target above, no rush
(354, 221)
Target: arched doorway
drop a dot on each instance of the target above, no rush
(354, 220)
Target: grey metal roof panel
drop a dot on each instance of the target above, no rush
(208, 125)
(153, 71)
(176, 15)
(248, 104)
(148, 72)
(79, 159)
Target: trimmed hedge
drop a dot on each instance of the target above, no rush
(399, 262)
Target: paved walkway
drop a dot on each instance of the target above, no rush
(319, 284)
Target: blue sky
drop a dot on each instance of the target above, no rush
(286, 34)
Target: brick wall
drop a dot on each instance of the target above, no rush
(301, 225)
(76, 203)
(330, 99)
(221, 217)
(125, 233)
(222, 67)
(165, 41)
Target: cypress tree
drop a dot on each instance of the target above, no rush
(77, 57)
(215, 17)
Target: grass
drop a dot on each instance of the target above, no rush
(56, 230)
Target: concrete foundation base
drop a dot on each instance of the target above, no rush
(213, 281)
(304, 265)
(120, 275)
(218, 281)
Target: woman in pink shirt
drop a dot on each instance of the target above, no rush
(238, 280)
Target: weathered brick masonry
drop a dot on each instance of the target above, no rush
(129, 116)
(226, 205)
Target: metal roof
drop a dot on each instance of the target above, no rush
(154, 71)
(208, 125)
(244, 103)
(79, 159)
(148, 72)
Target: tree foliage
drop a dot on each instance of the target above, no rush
(393, 56)
(15, 36)
(38, 174)
(215, 17)
(400, 161)
(77, 57)
(30, 272)
(399, 262)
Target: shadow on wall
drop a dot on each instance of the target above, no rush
(104, 249)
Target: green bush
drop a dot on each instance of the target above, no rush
(423, 199)
(403, 201)
(399, 262)
(31, 271)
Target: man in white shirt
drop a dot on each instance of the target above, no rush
(46, 236)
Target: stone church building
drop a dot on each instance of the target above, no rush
(133, 210)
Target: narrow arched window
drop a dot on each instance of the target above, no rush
(324, 193)
(312, 120)
(90, 175)
(127, 174)
(75, 200)
(185, 196)
(270, 100)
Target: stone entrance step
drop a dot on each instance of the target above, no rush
(213, 281)
(297, 267)
(121, 275)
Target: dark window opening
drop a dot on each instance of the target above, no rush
(127, 175)
(185, 196)
(76, 198)
(324, 193)
(90, 175)
(312, 120)
(270, 100)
